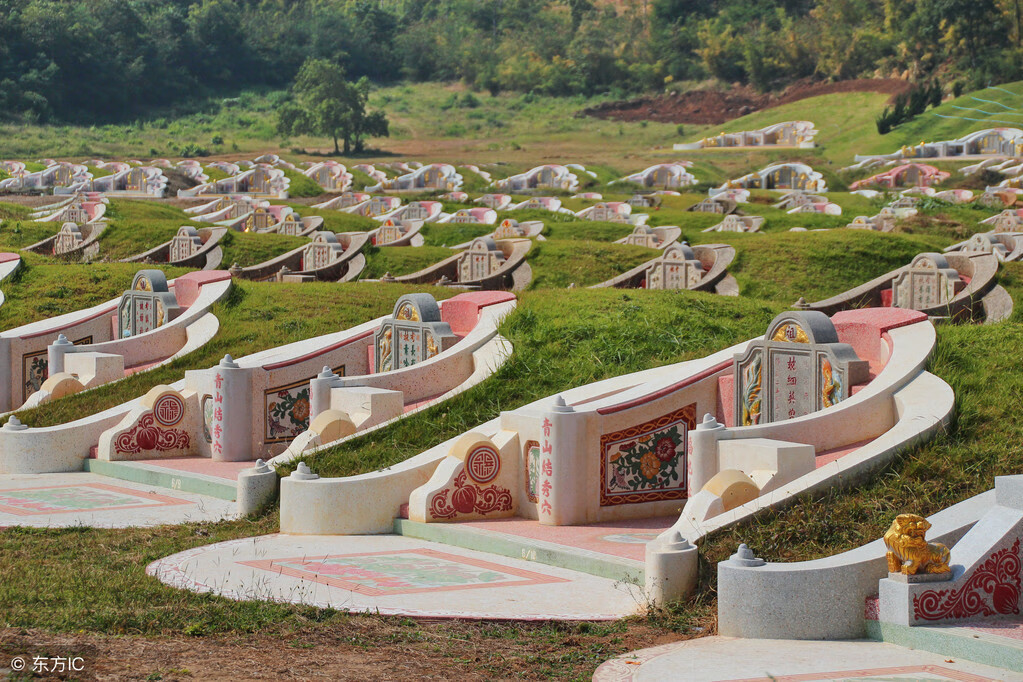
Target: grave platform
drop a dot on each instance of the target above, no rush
(991, 642)
(613, 550)
(728, 659)
(395, 575)
(88, 499)
(200, 475)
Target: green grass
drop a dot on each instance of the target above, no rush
(18, 230)
(301, 185)
(40, 290)
(336, 221)
(558, 263)
(256, 316)
(250, 248)
(451, 234)
(137, 226)
(399, 260)
(565, 338)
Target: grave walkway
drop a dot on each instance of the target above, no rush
(88, 499)
(395, 575)
(200, 475)
(727, 659)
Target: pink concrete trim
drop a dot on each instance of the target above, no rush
(462, 312)
(1010, 629)
(105, 311)
(884, 319)
(667, 390)
(316, 353)
(201, 465)
(528, 577)
(157, 500)
(8, 257)
(187, 287)
(591, 537)
(828, 456)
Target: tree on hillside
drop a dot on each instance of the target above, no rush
(326, 103)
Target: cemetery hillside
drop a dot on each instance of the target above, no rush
(532, 339)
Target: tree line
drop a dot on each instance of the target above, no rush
(102, 60)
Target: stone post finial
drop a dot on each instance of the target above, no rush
(229, 362)
(744, 557)
(62, 341)
(303, 473)
(561, 406)
(709, 422)
(14, 424)
(262, 467)
(800, 303)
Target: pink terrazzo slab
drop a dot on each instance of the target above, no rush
(86, 497)
(201, 465)
(398, 572)
(1011, 629)
(626, 539)
(828, 456)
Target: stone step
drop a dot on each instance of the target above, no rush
(162, 477)
(528, 549)
(996, 642)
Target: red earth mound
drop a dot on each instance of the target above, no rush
(714, 106)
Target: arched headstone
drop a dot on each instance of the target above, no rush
(480, 260)
(928, 282)
(68, 239)
(413, 333)
(643, 236)
(149, 304)
(388, 233)
(324, 250)
(678, 268)
(508, 229)
(798, 367)
(185, 243)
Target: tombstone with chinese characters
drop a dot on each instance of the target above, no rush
(412, 334)
(1007, 221)
(986, 243)
(716, 205)
(416, 210)
(509, 228)
(737, 223)
(260, 219)
(324, 250)
(480, 260)
(68, 239)
(185, 243)
(798, 367)
(927, 283)
(380, 205)
(147, 305)
(291, 225)
(643, 236)
(678, 268)
(75, 213)
(389, 232)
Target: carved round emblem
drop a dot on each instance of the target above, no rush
(168, 409)
(483, 464)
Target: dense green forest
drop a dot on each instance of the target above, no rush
(104, 60)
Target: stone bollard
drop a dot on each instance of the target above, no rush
(232, 411)
(55, 354)
(704, 457)
(256, 488)
(672, 569)
(319, 392)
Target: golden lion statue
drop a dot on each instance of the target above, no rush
(909, 552)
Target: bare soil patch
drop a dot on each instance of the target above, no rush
(360, 648)
(708, 107)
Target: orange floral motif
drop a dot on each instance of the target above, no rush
(649, 465)
(300, 411)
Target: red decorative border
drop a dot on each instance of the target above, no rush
(158, 500)
(467, 498)
(686, 415)
(528, 577)
(998, 579)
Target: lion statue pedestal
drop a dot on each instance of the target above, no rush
(909, 553)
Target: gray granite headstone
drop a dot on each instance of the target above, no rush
(480, 260)
(928, 282)
(798, 367)
(413, 333)
(149, 304)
